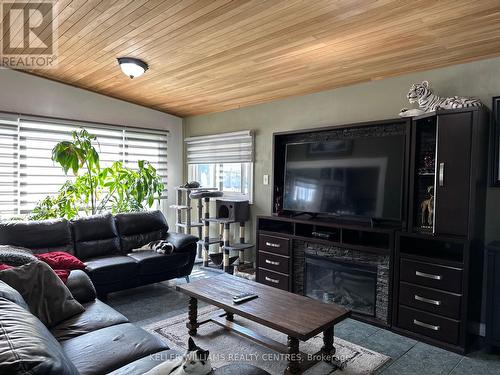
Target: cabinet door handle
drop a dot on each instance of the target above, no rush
(271, 244)
(428, 275)
(427, 300)
(441, 174)
(274, 281)
(272, 263)
(425, 325)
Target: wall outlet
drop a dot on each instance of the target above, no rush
(265, 179)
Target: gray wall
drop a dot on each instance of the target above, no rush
(375, 100)
(28, 94)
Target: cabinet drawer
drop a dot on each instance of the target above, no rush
(431, 300)
(275, 245)
(273, 279)
(431, 275)
(274, 262)
(430, 325)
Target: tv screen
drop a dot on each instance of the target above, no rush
(348, 177)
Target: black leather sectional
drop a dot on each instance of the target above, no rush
(97, 341)
(105, 244)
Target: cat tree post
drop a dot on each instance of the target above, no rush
(206, 229)
(241, 253)
(225, 258)
(221, 235)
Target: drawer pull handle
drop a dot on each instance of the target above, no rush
(271, 244)
(272, 263)
(428, 275)
(441, 174)
(425, 325)
(274, 281)
(427, 300)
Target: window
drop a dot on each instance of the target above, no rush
(223, 161)
(28, 174)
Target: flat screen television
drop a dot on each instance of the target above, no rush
(361, 177)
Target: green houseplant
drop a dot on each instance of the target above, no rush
(96, 190)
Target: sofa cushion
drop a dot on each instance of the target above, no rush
(110, 269)
(95, 236)
(150, 262)
(136, 229)
(146, 363)
(44, 292)
(40, 236)
(97, 315)
(26, 346)
(110, 348)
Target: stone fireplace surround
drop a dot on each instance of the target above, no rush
(381, 262)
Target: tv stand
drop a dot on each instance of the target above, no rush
(282, 242)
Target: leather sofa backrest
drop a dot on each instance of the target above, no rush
(136, 229)
(40, 236)
(95, 236)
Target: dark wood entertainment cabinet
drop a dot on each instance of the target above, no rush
(436, 265)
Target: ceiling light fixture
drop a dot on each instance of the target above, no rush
(132, 67)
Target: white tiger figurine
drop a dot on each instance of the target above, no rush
(422, 94)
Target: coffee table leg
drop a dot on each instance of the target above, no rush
(294, 360)
(192, 324)
(328, 349)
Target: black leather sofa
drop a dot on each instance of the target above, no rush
(98, 341)
(105, 244)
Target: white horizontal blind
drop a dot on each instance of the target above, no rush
(28, 174)
(139, 145)
(236, 147)
(8, 166)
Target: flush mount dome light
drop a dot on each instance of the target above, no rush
(132, 67)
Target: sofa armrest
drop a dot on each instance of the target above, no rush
(81, 286)
(181, 241)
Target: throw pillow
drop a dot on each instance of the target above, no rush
(15, 256)
(63, 275)
(46, 295)
(60, 260)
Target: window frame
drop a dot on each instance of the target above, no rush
(246, 168)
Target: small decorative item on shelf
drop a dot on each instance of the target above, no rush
(427, 207)
(422, 94)
(429, 162)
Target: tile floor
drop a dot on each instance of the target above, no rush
(148, 304)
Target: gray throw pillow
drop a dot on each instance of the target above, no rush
(15, 256)
(45, 294)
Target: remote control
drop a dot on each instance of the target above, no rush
(244, 297)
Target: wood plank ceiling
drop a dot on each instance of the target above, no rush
(214, 55)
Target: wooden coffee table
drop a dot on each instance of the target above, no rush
(298, 317)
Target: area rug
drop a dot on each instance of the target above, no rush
(226, 347)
